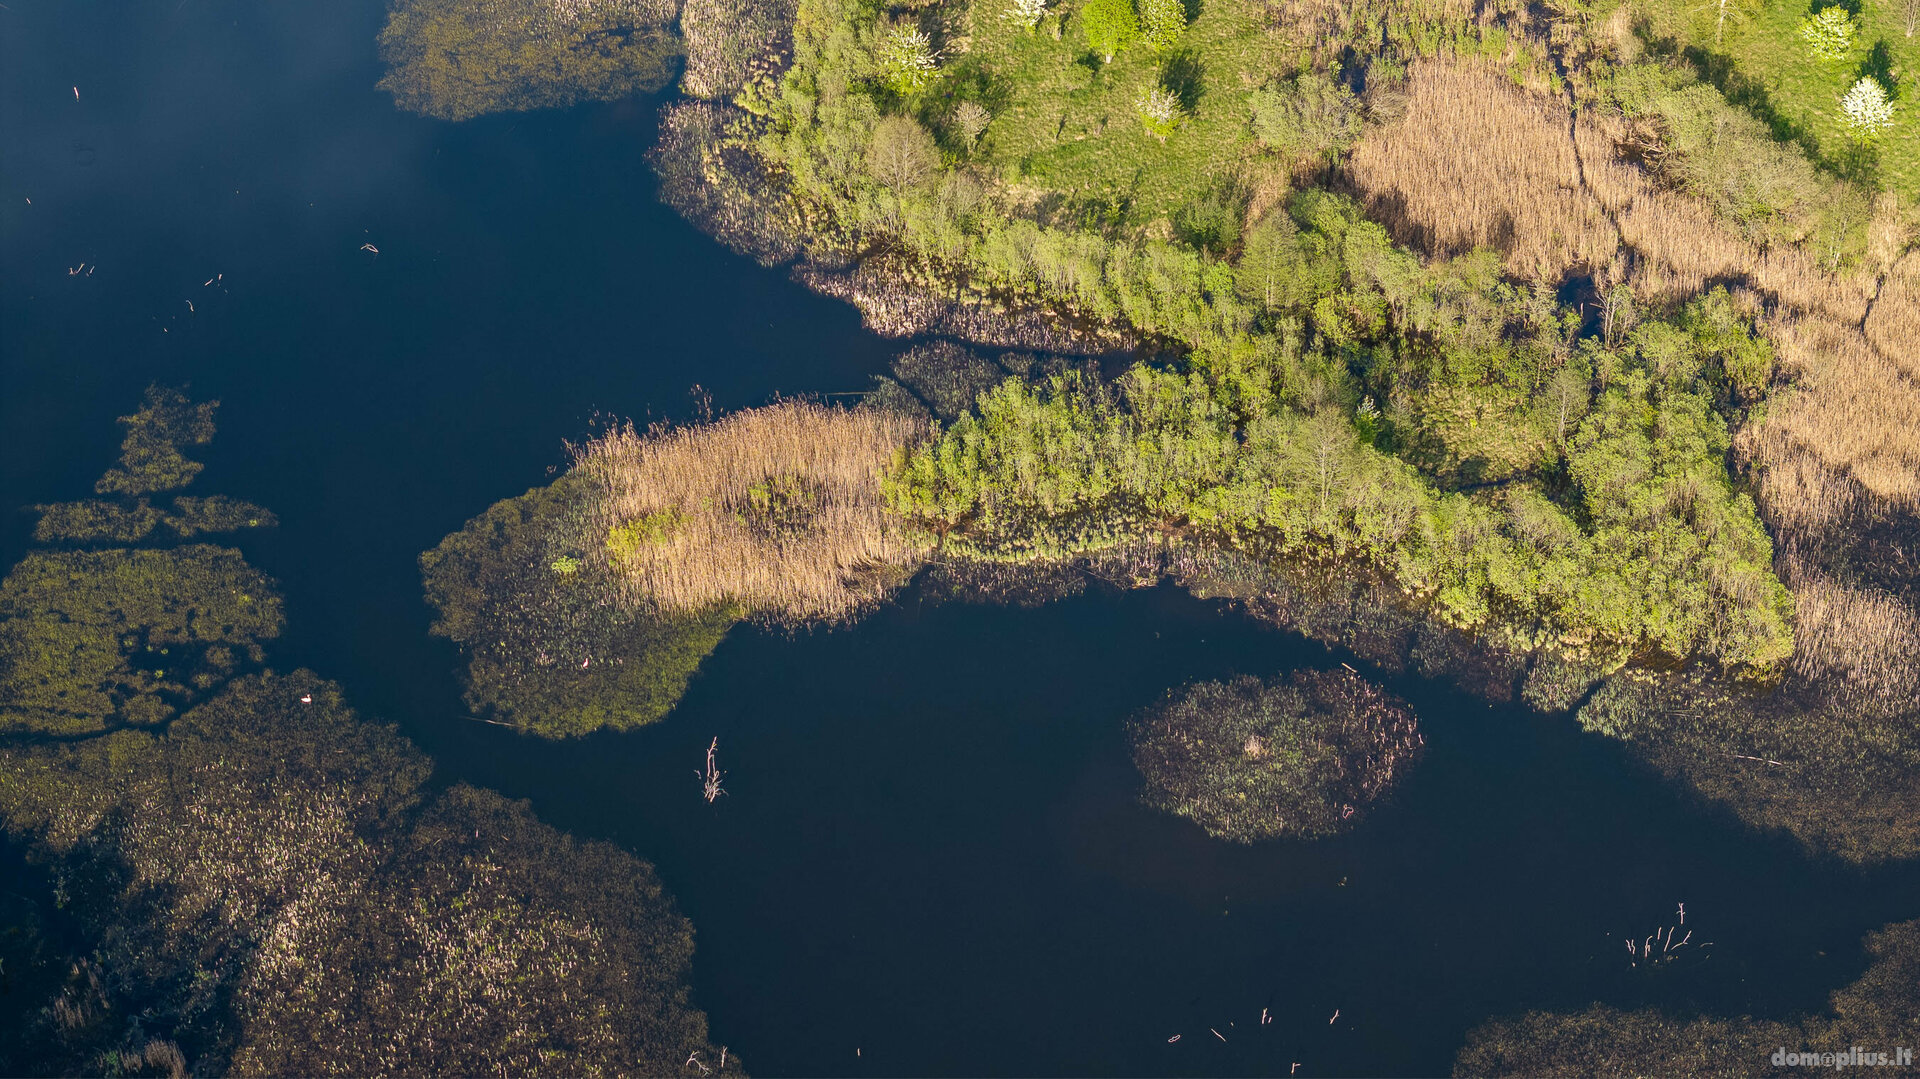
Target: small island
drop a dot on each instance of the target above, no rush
(1301, 757)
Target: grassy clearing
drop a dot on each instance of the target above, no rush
(1066, 123)
(1759, 59)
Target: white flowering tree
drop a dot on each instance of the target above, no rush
(1160, 110)
(1865, 111)
(906, 59)
(1026, 13)
(971, 118)
(1828, 34)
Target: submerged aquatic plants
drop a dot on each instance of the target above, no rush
(1249, 760)
(550, 648)
(254, 881)
(456, 59)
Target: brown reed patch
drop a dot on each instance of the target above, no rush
(1476, 161)
(1863, 639)
(1893, 326)
(1848, 426)
(776, 509)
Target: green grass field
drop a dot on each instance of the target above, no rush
(1065, 122)
(1762, 62)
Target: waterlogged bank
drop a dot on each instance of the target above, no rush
(252, 878)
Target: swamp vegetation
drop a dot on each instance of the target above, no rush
(1302, 757)
(1563, 352)
(241, 875)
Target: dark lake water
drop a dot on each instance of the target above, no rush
(931, 854)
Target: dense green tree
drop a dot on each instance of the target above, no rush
(1109, 26)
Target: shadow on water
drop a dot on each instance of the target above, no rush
(931, 851)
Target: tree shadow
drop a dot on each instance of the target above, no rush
(1185, 78)
(1879, 65)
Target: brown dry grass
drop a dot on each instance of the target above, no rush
(776, 510)
(1476, 160)
(1864, 639)
(1845, 436)
(1893, 327)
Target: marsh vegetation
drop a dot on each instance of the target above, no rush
(457, 59)
(253, 879)
(1303, 756)
(775, 510)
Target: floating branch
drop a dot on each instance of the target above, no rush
(713, 774)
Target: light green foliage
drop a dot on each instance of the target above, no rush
(1109, 26)
(1456, 490)
(150, 458)
(457, 59)
(1159, 109)
(1247, 760)
(1723, 154)
(1310, 116)
(1659, 553)
(1767, 69)
(623, 540)
(1162, 22)
(1828, 33)
(551, 651)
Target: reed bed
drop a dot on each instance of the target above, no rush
(1478, 161)
(777, 510)
(1893, 327)
(1845, 436)
(1475, 161)
(1865, 639)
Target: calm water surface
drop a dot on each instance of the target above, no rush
(931, 854)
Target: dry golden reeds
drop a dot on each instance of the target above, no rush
(1866, 639)
(776, 510)
(1847, 429)
(1893, 326)
(1476, 161)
